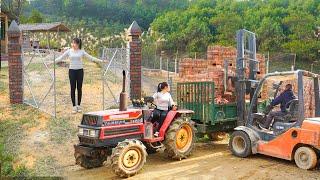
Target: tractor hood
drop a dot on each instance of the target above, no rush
(115, 114)
(111, 117)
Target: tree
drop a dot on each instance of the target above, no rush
(13, 8)
(300, 35)
(226, 26)
(35, 17)
(270, 35)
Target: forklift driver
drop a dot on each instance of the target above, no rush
(163, 101)
(286, 96)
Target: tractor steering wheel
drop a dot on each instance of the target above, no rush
(153, 104)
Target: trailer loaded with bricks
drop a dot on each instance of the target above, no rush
(210, 114)
(209, 86)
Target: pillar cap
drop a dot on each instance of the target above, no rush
(14, 27)
(134, 29)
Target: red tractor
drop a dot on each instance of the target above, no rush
(126, 135)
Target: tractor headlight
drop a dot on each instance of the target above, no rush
(80, 132)
(88, 132)
(93, 133)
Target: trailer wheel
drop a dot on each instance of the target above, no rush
(128, 158)
(305, 158)
(179, 139)
(87, 161)
(240, 144)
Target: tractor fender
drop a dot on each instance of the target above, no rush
(169, 118)
(253, 135)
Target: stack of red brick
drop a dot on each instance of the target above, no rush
(212, 68)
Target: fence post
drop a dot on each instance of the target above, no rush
(134, 33)
(160, 62)
(15, 64)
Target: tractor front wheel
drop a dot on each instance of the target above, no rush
(128, 158)
(305, 158)
(179, 139)
(240, 144)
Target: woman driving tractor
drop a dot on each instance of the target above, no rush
(164, 102)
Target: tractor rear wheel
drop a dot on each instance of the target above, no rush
(87, 161)
(179, 139)
(305, 158)
(240, 144)
(128, 158)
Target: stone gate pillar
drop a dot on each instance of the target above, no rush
(134, 45)
(15, 64)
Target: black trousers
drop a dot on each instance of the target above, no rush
(159, 116)
(76, 80)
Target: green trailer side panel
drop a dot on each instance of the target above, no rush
(199, 97)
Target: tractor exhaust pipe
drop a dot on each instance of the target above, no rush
(123, 94)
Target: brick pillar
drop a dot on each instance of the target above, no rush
(15, 64)
(134, 45)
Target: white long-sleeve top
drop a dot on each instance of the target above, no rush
(75, 57)
(163, 100)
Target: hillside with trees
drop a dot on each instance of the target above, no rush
(188, 26)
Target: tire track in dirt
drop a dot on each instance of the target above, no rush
(212, 161)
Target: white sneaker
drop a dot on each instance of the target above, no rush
(74, 109)
(79, 108)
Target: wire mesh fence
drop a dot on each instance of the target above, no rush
(39, 79)
(115, 60)
(289, 61)
(47, 87)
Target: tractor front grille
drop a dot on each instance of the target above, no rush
(117, 131)
(85, 140)
(91, 120)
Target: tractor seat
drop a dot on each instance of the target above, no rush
(292, 112)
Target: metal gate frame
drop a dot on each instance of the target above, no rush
(26, 79)
(111, 55)
(112, 59)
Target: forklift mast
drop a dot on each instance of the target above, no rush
(246, 53)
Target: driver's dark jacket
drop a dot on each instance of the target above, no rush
(283, 99)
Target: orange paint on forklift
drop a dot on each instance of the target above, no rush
(284, 145)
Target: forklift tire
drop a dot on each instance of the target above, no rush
(87, 161)
(305, 158)
(128, 157)
(240, 144)
(179, 139)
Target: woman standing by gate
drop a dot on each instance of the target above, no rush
(76, 73)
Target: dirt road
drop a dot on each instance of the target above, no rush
(209, 161)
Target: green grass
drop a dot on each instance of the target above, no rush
(61, 130)
(12, 132)
(19, 118)
(47, 166)
(3, 77)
